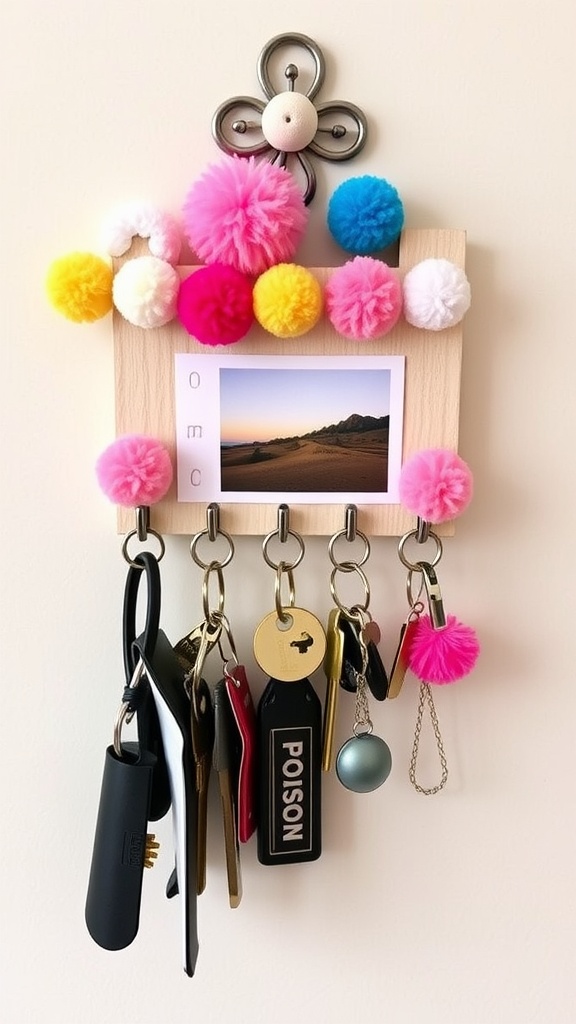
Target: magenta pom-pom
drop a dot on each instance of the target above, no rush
(134, 470)
(215, 305)
(435, 484)
(442, 655)
(363, 299)
(247, 214)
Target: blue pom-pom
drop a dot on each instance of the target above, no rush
(365, 215)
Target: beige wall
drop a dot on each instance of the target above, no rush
(457, 909)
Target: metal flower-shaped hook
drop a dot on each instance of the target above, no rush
(289, 121)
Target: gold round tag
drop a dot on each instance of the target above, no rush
(292, 650)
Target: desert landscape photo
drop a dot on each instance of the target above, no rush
(307, 431)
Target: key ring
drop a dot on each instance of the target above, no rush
(137, 533)
(343, 533)
(284, 570)
(222, 563)
(415, 566)
(359, 606)
(283, 531)
(210, 615)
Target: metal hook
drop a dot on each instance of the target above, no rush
(422, 530)
(283, 523)
(142, 521)
(212, 521)
(351, 522)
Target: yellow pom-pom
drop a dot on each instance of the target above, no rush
(80, 286)
(287, 300)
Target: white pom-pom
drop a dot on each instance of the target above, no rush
(436, 294)
(145, 291)
(161, 230)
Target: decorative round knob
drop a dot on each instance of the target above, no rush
(289, 122)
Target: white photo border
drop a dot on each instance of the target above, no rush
(198, 427)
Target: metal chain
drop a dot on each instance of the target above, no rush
(362, 721)
(426, 696)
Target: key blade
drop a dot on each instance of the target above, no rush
(334, 656)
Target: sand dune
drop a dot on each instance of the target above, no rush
(356, 463)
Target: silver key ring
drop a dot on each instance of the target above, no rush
(213, 563)
(339, 565)
(355, 610)
(286, 565)
(135, 533)
(415, 566)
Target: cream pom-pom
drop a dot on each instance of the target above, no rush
(145, 291)
(436, 294)
(147, 221)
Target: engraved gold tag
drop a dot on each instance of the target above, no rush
(290, 650)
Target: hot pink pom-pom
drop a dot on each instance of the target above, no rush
(436, 485)
(215, 305)
(442, 655)
(363, 299)
(246, 214)
(134, 470)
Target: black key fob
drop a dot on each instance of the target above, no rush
(289, 728)
(115, 886)
(376, 676)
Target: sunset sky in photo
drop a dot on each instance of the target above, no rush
(262, 404)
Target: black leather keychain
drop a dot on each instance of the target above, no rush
(134, 785)
(289, 644)
(289, 744)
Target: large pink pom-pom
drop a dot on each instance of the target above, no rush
(215, 305)
(442, 655)
(363, 299)
(134, 470)
(435, 484)
(246, 214)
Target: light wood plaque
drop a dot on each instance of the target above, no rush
(145, 400)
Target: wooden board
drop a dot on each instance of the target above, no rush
(145, 400)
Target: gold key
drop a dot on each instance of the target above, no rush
(223, 765)
(193, 648)
(333, 669)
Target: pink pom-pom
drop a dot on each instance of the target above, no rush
(246, 214)
(436, 485)
(363, 299)
(442, 655)
(134, 470)
(215, 305)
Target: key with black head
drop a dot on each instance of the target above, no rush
(376, 676)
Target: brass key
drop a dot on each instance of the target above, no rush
(223, 764)
(333, 670)
(193, 649)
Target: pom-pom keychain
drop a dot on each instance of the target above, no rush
(245, 214)
(436, 294)
(363, 299)
(79, 286)
(436, 485)
(215, 305)
(365, 215)
(135, 470)
(287, 300)
(442, 654)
